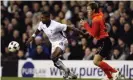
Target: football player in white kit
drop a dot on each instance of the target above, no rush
(55, 33)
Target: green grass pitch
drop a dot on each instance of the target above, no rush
(15, 78)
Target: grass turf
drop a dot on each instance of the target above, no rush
(15, 78)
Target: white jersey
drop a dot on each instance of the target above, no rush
(55, 31)
(55, 34)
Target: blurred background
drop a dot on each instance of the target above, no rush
(19, 20)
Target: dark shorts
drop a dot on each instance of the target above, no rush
(104, 47)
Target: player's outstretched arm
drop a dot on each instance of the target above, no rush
(71, 27)
(32, 37)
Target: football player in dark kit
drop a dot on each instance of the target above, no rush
(95, 26)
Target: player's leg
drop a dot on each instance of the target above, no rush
(58, 63)
(111, 73)
(98, 62)
(55, 58)
(104, 52)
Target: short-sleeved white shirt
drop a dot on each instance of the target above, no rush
(55, 31)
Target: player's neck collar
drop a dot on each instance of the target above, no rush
(48, 23)
(97, 14)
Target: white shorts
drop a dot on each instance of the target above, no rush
(61, 44)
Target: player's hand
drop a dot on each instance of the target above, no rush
(82, 22)
(29, 40)
(86, 35)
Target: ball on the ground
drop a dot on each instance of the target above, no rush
(13, 46)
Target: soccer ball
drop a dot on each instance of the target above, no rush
(13, 46)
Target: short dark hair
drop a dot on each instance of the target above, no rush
(46, 13)
(94, 6)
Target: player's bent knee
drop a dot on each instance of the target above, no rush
(97, 59)
(55, 55)
(54, 58)
(96, 62)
